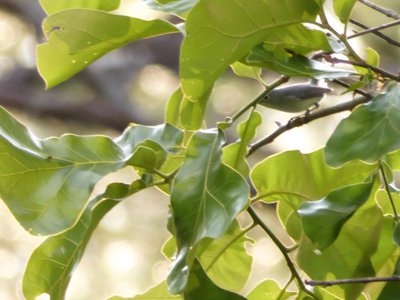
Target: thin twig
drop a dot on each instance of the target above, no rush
(374, 29)
(386, 11)
(282, 249)
(377, 33)
(380, 71)
(351, 281)
(307, 118)
(387, 188)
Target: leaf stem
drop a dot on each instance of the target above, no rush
(351, 281)
(387, 188)
(285, 288)
(257, 220)
(253, 103)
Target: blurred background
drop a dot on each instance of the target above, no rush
(133, 85)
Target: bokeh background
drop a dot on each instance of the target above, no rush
(132, 85)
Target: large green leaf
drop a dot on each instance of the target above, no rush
(206, 197)
(361, 250)
(47, 183)
(51, 265)
(77, 37)
(292, 178)
(371, 131)
(178, 7)
(343, 9)
(222, 32)
(52, 7)
(200, 287)
(217, 256)
(159, 292)
(234, 155)
(322, 220)
(226, 260)
(269, 289)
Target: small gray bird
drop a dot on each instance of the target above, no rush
(294, 98)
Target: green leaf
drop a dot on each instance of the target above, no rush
(269, 289)
(234, 155)
(206, 209)
(371, 131)
(216, 257)
(77, 37)
(243, 70)
(396, 234)
(293, 65)
(200, 287)
(213, 41)
(177, 7)
(293, 178)
(361, 250)
(225, 260)
(184, 113)
(46, 183)
(322, 220)
(51, 265)
(343, 9)
(52, 7)
(159, 292)
(391, 290)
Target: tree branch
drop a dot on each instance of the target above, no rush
(307, 118)
(387, 12)
(362, 64)
(377, 33)
(374, 29)
(351, 281)
(257, 220)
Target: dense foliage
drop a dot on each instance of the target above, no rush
(338, 204)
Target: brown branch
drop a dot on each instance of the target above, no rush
(377, 70)
(387, 12)
(351, 281)
(377, 33)
(307, 118)
(374, 29)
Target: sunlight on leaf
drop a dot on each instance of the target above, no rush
(51, 6)
(293, 178)
(77, 37)
(178, 7)
(51, 265)
(47, 183)
(234, 155)
(213, 41)
(159, 292)
(343, 9)
(269, 289)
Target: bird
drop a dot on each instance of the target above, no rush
(294, 98)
